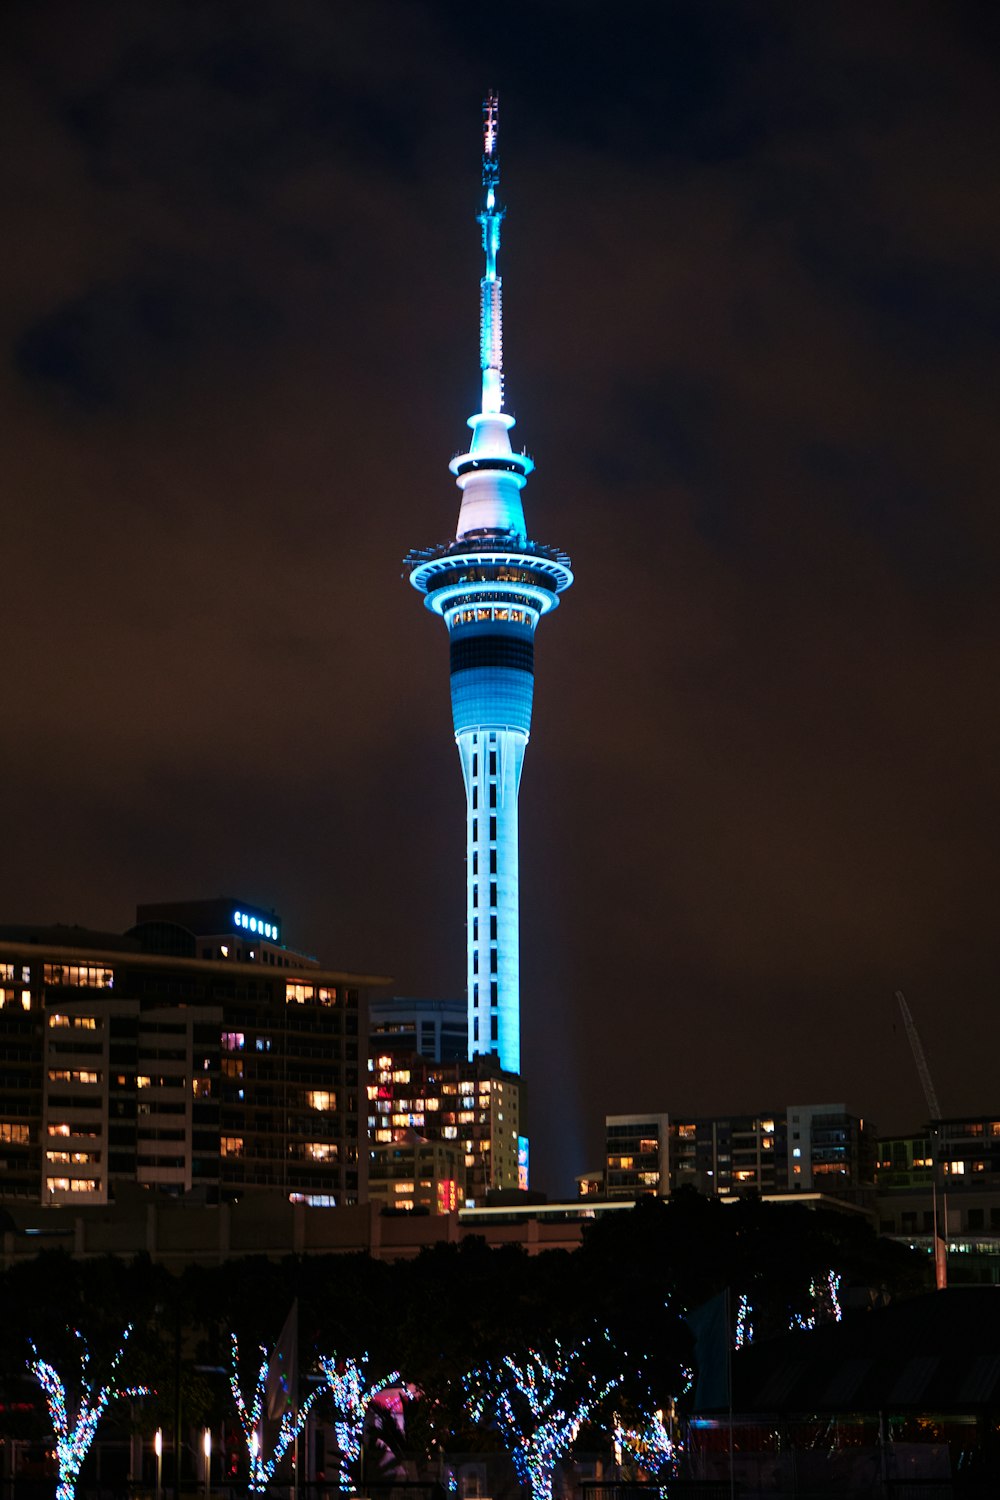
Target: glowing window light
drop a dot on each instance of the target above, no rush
(321, 1150)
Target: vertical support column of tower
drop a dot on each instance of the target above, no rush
(491, 586)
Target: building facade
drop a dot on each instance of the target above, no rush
(186, 1056)
(491, 586)
(947, 1175)
(798, 1148)
(437, 1029)
(472, 1105)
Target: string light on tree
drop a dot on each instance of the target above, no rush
(352, 1390)
(744, 1327)
(824, 1297)
(537, 1403)
(75, 1428)
(647, 1445)
(251, 1418)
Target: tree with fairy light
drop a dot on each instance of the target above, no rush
(290, 1417)
(352, 1389)
(645, 1446)
(75, 1423)
(537, 1402)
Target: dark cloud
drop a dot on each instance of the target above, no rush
(750, 266)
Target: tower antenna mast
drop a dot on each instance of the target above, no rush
(491, 286)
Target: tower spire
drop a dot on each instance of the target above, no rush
(491, 475)
(491, 286)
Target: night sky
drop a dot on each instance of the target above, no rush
(752, 318)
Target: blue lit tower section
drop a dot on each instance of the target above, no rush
(491, 586)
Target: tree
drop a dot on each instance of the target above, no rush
(645, 1445)
(75, 1426)
(352, 1390)
(537, 1403)
(252, 1420)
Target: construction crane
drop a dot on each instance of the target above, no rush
(934, 1109)
(923, 1072)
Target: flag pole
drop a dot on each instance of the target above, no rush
(729, 1373)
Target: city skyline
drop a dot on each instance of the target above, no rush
(751, 277)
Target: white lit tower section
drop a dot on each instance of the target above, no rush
(491, 585)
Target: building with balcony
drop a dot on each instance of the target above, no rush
(470, 1104)
(946, 1175)
(795, 1149)
(194, 1054)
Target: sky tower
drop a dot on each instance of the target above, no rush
(491, 586)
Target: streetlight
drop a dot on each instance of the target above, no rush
(158, 1450)
(206, 1448)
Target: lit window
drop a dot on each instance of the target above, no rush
(321, 1150)
(13, 1132)
(82, 976)
(231, 1145)
(323, 1099)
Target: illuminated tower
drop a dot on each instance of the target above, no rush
(491, 586)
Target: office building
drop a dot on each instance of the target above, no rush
(491, 585)
(437, 1029)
